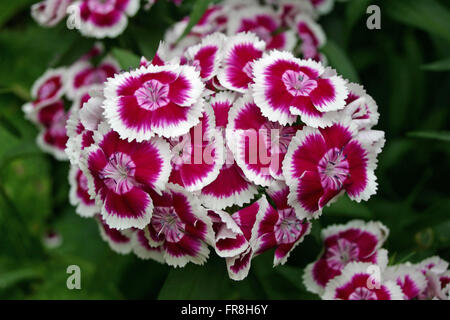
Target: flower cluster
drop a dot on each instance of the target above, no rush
(353, 266)
(60, 92)
(230, 146)
(282, 24)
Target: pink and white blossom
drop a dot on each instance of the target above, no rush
(101, 18)
(357, 282)
(180, 227)
(411, 281)
(48, 13)
(356, 241)
(121, 174)
(79, 196)
(286, 87)
(164, 100)
(118, 240)
(322, 164)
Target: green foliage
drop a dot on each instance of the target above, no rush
(394, 64)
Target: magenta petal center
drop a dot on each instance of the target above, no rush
(362, 293)
(166, 222)
(298, 83)
(333, 169)
(118, 174)
(153, 95)
(288, 227)
(340, 254)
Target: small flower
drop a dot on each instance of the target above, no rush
(279, 227)
(312, 37)
(79, 195)
(205, 56)
(411, 281)
(437, 276)
(239, 53)
(180, 226)
(49, 88)
(321, 164)
(355, 241)
(121, 174)
(83, 75)
(357, 283)
(286, 87)
(49, 13)
(265, 23)
(53, 136)
(164, 100)
(102, 18)
(259, 145)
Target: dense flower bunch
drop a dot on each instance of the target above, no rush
(230, 146)
(353, 266)
(60, 91)
(282, 25)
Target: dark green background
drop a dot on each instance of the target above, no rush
(404, 66)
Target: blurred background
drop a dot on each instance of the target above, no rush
(405, 66)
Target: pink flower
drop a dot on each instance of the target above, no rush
(437, 276)
(121, 174)
(46, 90)
(239, 54)
(265, 23)
(48, 13)
(312, 37)
(357, 282)
(53, 137)
(411, 281)
(180, 226)
(197, 156)
(234, 237)
(288, 10)
(360, 107)
(286, 87)
(259, 145)
(79, 196)
(102, 18)
(206, 56)
(231, 187)
(164, 100)
(85, 116)
(279, 227)
(83, 74)
(321, 164)
(323, 6)
(355, 241)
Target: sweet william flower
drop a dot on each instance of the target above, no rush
(121, 174)
(259, 145)
(180, 227)
(278, 227)
(118, 240)
(356, 241)
(286, 87)
(164, 100)
(321, 164)
(48, 13)
(143, 249)
(358, 283)
(411, 281)
(102, 18)
(79, 196)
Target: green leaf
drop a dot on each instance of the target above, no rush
(344, 207)
(126, 58)
(428, 15)
(441, 65)
(442, 135)
(340, 61)
(197, 12)
(13, 277)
